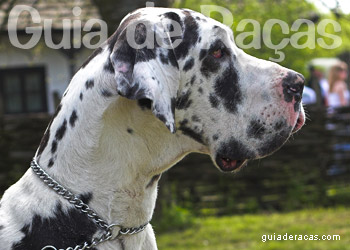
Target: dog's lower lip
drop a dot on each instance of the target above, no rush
(228, 164)
(298, 125)
(300, 122)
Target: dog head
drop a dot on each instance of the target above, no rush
(237, 106)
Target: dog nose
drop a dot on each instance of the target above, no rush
(293, 85)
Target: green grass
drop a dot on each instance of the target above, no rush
(245, 232)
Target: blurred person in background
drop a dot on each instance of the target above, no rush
(338, 95)
(319, 85)
(309, 96)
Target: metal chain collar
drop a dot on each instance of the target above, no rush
(85, 209)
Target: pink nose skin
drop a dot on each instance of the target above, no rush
(300, 122)
(291, 91)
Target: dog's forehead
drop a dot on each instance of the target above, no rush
(178, 15)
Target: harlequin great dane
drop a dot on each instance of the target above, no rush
(107, 142)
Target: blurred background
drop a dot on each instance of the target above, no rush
(304, 188)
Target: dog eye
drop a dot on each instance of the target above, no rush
(217, 53)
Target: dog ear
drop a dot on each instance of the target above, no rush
(146, 69)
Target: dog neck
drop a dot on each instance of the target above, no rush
(105, 149)
(110, 147)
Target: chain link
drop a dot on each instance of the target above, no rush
(85, 209)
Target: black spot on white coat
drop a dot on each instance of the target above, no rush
(65, 228)
(46, 136)
(195, 118)
(256, 129)
(193, 79)
(202, 54)
(235, 149)
(215, 137)
(280, 124)
(190, 36)
(214, 101)
(108, 66)
(184, 101)
(86, 197)
(172, 59)
(209, 66)
(163, 58)
(176, 18)
(89, 84)
(190, 132)
(113, 38)
(126, 53)
(53, 146)
(51, 162)
(227, 88)
(61, 130)
(173, 104)
(189, 64)
(44, 141)
(106, 93)
(73, 118)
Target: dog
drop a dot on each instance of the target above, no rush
(129, 114)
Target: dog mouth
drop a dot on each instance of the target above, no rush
(233, 154)
(228, 165)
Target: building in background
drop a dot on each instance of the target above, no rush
(33, 80)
